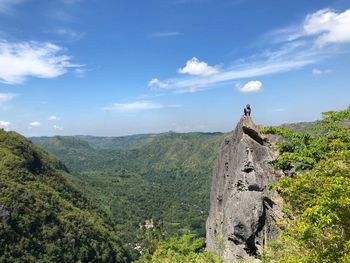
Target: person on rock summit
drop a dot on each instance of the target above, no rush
(247, 110)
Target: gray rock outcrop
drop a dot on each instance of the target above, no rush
(243, 212)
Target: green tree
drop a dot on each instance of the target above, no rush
(318, 229)
(184, 249)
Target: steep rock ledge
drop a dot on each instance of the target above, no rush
(243, 212)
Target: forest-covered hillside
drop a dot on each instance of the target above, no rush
(43, 218)
(165, 176)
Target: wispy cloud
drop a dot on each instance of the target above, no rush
(71, 34)
(64, 15)
(53, 118)
(284, 34)
(71, 2)
(67, 11)
(34, 124)
(32, 59)
(6, 97)
(57, 127)
(293, 48)
(138, 106)
(193, 1)
(156, 83)
(317, 71)
(6, 6)
(164, 34)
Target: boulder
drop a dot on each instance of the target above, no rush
(243, 211)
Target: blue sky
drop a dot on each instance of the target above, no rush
(124, 67)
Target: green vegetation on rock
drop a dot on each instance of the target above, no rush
(184, 249)
(317, 223)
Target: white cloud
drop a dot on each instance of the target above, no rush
(157, 83)
(35, 59)
(5, 124)
(252, 86)
(80, 72)
(284, 34)
(197, 68)
(329, 26)
(5, 97)
(138, 105)
(242, 71)
(164, 34)
(56, 127)
(291, 49)
(317, 71)
(53, 118)
(34, 124)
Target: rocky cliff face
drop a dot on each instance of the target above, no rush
(243, 212)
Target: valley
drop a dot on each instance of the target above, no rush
(165, 176)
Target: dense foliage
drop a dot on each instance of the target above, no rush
(156, 248)
(165, 176)
(43, 218)
(318, 197)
